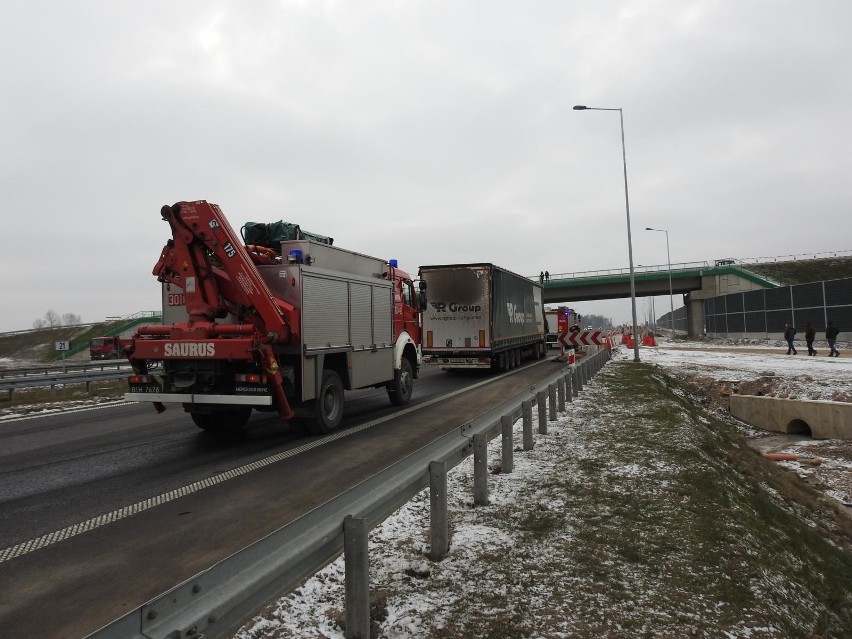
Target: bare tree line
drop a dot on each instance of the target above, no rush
(52, 319)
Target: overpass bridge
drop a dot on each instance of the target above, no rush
(696, 281)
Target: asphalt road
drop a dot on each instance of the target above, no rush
(92, 466)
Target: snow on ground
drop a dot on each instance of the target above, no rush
(761, 368)
(576, 604)
(398, 546)
(800, 376)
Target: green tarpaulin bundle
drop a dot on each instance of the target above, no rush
(272, 234)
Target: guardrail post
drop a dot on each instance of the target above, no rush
(541, 399)
(357, 565)
(508, 452)
(480, 470)
(526, 408)
(560, 394)
(569, 383)
(579, 377)
(438, 510)
(551, 402)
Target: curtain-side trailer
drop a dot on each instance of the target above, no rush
(480, 316)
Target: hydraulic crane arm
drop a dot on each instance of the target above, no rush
(201, 238)
(218, 277)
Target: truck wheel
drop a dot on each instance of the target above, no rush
(223, 420)
(400, 389)
(501, 361)
(328, 406)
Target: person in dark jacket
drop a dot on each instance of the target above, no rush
(789, 335)
(810, 334)
(831, 335)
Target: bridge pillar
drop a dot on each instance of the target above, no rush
(694, 315)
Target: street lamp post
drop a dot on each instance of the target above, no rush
(629, 239)
(669, 257)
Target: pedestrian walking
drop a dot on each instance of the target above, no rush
(810, 334)
(831, 332)
(789, 335)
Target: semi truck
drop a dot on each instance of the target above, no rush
(480, 316)
(285, 326)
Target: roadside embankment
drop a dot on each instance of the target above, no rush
(638, 514)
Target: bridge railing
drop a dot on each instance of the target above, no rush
(640, 269)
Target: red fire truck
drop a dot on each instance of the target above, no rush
(287, 326)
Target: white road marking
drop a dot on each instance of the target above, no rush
(71, 531)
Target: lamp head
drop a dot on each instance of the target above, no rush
(580, 107)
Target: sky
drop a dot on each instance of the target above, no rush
(430, 132)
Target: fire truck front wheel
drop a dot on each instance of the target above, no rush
(328, 406)
(399, 390)
(222, 420)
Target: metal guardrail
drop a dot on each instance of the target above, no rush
(217, 601)
(53, 369)
(59, 379)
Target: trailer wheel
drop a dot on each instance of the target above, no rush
(400, 389)
(222, 420)
(501, 362)
(328, 406)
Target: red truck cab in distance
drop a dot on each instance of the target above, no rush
(104, 348)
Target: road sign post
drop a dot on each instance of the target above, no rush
(62, 347)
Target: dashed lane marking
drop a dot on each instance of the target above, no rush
(72, 531)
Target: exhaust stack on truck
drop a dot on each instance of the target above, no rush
(480, 316)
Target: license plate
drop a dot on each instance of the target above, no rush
(144, 388)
